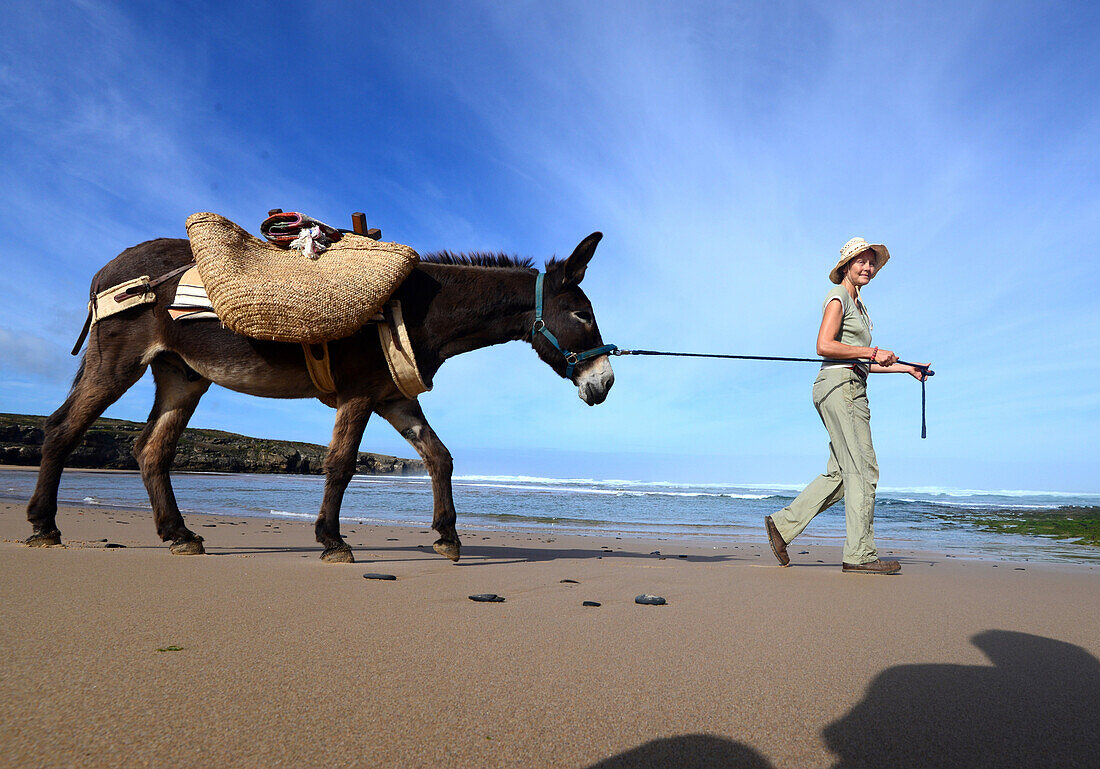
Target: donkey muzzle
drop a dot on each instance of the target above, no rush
(593, 379)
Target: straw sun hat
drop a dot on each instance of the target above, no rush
(854, 248)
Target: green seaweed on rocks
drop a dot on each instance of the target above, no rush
(1081, 525)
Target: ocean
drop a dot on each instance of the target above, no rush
(939, 520)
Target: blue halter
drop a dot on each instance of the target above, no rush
(571, 358)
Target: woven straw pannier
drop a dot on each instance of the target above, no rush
(267, 292)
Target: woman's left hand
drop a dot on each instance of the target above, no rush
(918, 371)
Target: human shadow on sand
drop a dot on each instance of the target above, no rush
(1036, 705)
(688, 751)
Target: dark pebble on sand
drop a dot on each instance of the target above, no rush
(101, 540)
(487, 598)
(113, 544)
(571, 581)
(127, 523)
(391, 539)
(656, 552)
(1020, 568)
(377, 575)
(590, 603)
(803, 552)
(209, 525)
(650, 600)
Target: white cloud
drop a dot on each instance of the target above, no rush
(32, 356)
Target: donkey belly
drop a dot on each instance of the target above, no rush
(254, 367)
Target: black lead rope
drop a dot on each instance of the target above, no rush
(927, 371)
(923, 425)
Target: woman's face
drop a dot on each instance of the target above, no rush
(862, 268)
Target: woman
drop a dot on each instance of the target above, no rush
(840, 396)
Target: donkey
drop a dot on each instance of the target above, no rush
(452, 303)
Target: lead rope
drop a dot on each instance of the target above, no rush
(925, 369)
(923, 426)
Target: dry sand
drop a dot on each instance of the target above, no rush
(285, 661)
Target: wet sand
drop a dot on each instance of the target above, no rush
(272, 658)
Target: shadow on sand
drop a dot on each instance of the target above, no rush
(688, 751)
(1036, 705)
(479, 554)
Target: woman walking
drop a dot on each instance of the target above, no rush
(840, 396)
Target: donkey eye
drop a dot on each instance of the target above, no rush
(583, 316)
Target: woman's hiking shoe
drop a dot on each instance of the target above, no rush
(779, 547)
(873, 567)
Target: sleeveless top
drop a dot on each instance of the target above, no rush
(855, 328)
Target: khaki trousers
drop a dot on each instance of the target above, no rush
(840, 396)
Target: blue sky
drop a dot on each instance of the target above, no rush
(725, 151)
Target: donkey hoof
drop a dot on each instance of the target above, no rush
(187, 547)
(43, 539)
(338, 554)
(451, 549)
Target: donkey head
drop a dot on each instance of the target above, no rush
(568, 316)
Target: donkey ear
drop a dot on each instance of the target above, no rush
(574, 267)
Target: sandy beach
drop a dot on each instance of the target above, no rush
(260, 655)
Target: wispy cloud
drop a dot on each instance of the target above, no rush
(32, 355)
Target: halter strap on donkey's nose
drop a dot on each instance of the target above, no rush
(539, 327)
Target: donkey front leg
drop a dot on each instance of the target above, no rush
(407, 418)
(351, 419)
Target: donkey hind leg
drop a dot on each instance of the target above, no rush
(178, 392)
(102, 379)
(408, 419)
(351, 420)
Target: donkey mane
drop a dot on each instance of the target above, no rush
(479, 259)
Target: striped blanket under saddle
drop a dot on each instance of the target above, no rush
(191, 302)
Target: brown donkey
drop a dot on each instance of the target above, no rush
(452, 304)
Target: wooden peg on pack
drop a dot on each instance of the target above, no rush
(274, 211)
(359, 223)
(374, 233)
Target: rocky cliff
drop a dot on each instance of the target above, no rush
(109, 442)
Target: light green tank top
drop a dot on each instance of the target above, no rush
(855, 327)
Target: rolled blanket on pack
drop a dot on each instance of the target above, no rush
(291, 229)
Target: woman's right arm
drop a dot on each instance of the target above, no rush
(829, 347)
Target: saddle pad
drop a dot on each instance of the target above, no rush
(191, 301)
(266, 292)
